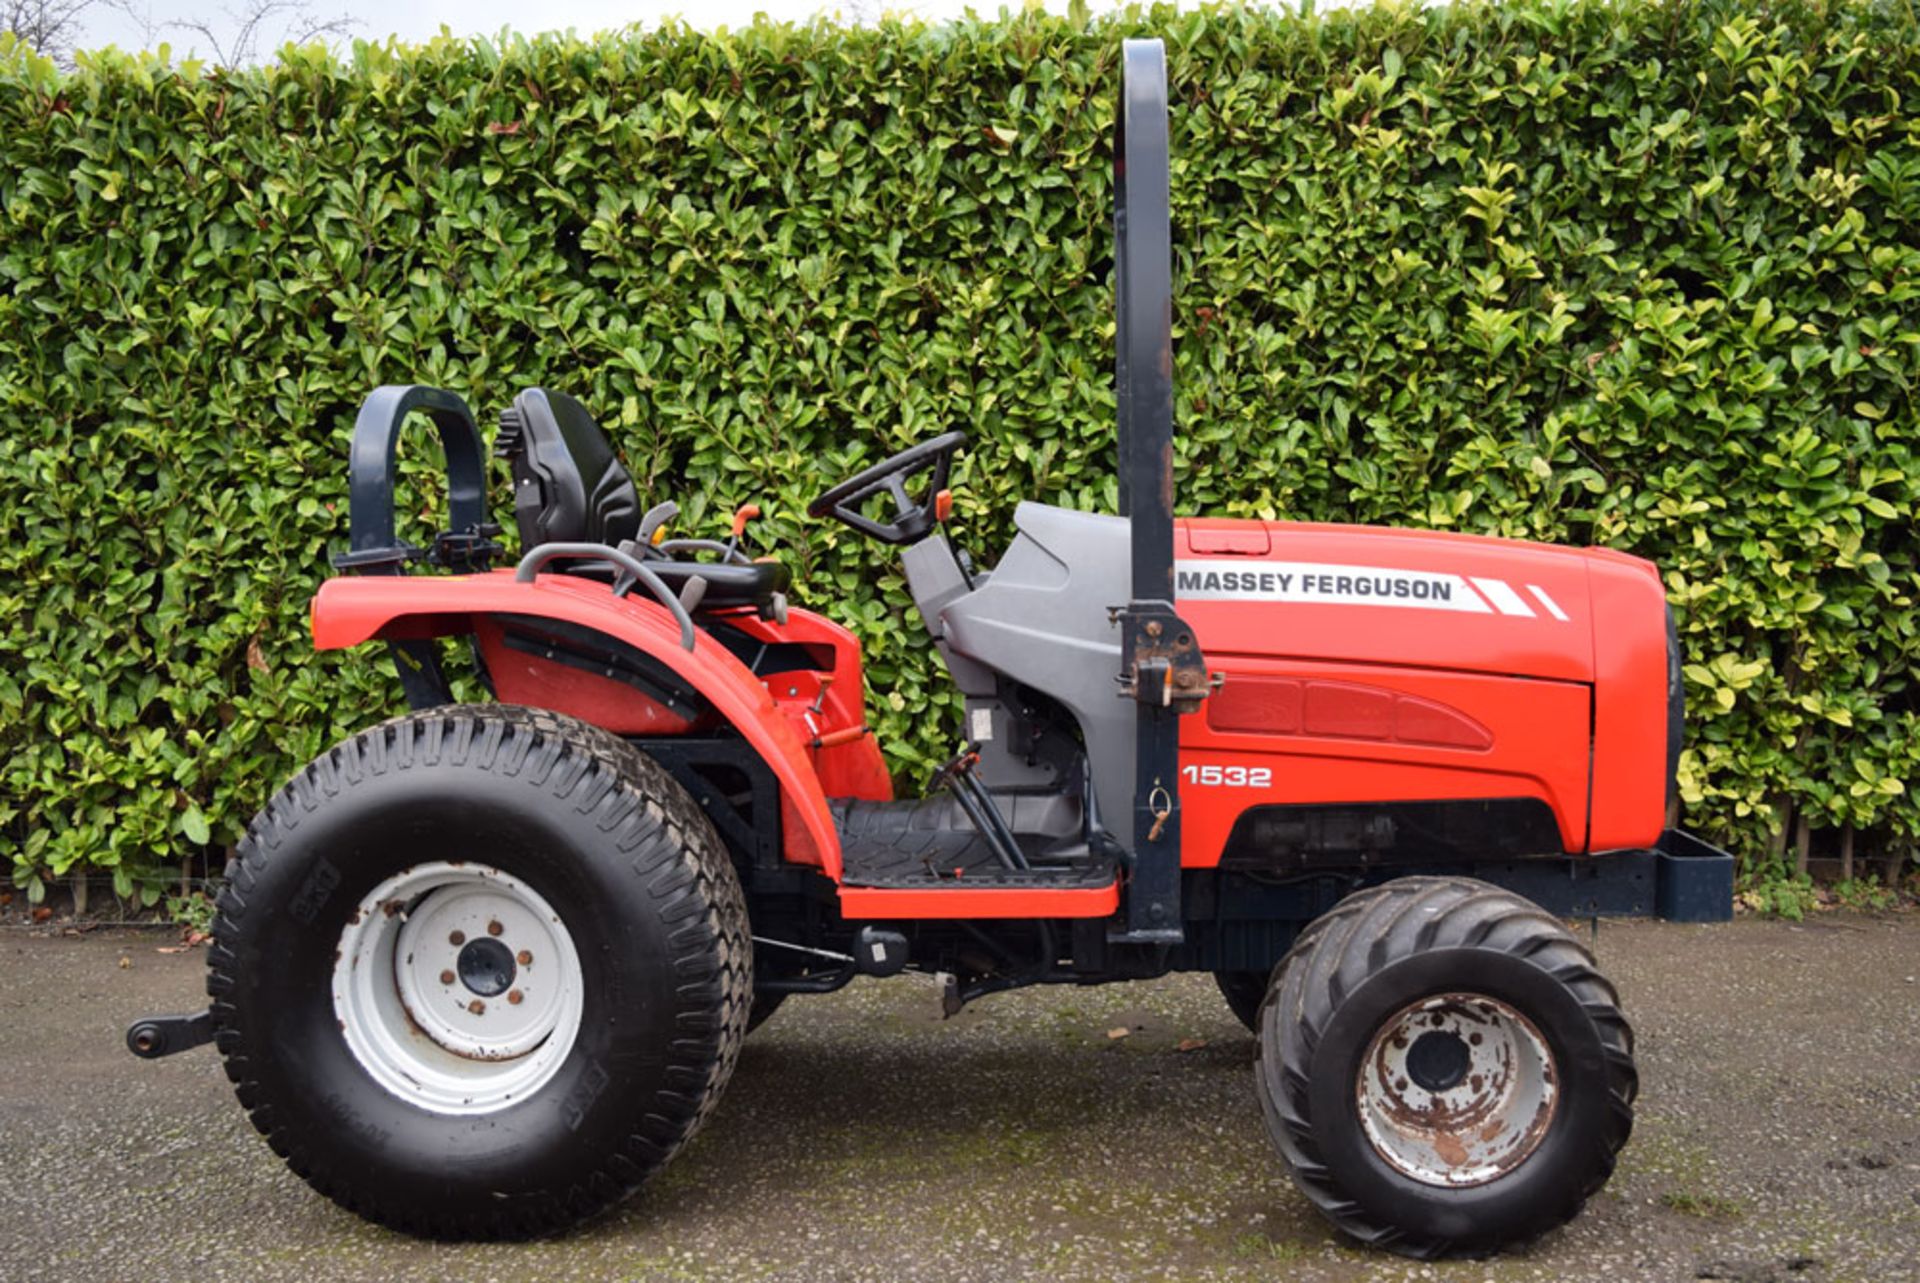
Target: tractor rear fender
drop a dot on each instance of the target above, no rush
(351, 610)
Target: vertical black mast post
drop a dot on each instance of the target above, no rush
(1162, 668)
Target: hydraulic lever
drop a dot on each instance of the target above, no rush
(958, 777)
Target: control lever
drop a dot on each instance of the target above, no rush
(957, 774)
(693, 592)
(656, 517)
(741, 516)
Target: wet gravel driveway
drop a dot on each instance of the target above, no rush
(864, 1138)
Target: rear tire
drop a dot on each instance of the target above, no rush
(1443, 1069)
(764, 1005)
(540, 972)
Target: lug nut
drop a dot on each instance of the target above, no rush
(494, 928)
(446, 977)
(513, 996)
(477, 1007)
(525, 957)
(457, 939)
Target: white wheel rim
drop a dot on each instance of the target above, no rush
(457, 988)
(1457, 1089)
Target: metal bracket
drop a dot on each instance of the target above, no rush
(422, 680)
(1160, 662)
(152, 1037)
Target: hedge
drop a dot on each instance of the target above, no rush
(1635, 274)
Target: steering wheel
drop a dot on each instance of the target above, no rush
(913, 519)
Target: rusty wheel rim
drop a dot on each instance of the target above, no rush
(1457, 1089)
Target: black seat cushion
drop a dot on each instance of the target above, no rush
(727, 585)
(569, 487)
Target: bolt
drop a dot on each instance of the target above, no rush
(477, 1007)
(494, 928)
(446, 977)
(513, 996)
(525, 957)
(1153, 628)
(457, 939)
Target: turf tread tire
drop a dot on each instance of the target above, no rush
(687, 873)
(764, 1005)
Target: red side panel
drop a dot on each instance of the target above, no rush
(1364, 595)
(349, 611)
(851, 768)
(1286, 731)
(1374, 665)
(520, 678)
(1630, 713)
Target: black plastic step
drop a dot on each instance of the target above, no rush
(927, 843)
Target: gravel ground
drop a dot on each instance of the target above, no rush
(864, 1138)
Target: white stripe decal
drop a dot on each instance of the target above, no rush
(1504, 598)
(1553, 607)
(1248, 579)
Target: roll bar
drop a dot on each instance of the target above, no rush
(1143, 314)
(1161, 667)
(372, 546)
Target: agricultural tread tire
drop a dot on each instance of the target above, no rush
(645, 828)
(1434, 922)
(1244, 992)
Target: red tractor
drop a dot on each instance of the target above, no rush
(482, 969)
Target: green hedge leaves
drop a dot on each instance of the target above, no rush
(1634, 274)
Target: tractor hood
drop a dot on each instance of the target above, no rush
(1425, 599)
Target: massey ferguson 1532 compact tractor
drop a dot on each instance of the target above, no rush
(482, 969)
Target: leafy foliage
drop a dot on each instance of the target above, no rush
(1638, 274)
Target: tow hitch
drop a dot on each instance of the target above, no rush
(152, 1037)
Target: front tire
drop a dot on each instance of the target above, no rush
(1244, 992)
(480, 971)
(1443, 1069)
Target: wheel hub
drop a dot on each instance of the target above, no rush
(1438, 1061)
(1456, 1090)
(485, 966)
(457, 987)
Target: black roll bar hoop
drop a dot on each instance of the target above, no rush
(372, 547)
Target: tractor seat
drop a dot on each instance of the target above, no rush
(569, 487)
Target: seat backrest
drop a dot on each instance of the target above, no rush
(568, 485)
